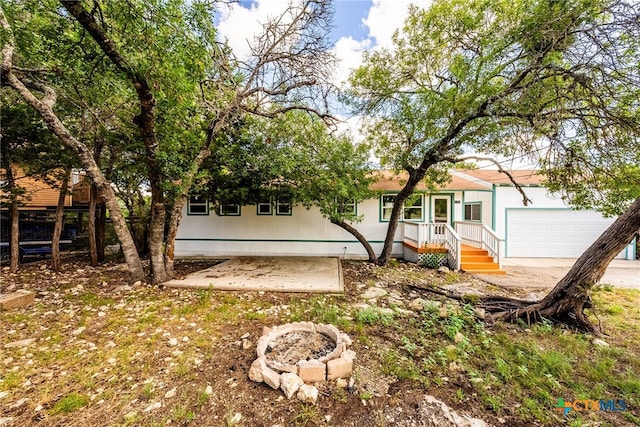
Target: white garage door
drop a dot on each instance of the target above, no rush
(552, 233)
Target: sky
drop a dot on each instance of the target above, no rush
(359, 25)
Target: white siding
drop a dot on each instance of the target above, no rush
(305, 232)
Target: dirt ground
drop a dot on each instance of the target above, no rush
(143, 355)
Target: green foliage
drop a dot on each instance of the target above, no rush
(70, 403)
(510, 78)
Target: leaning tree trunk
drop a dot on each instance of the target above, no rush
(57, 229)
(415, 176)
(355, 233)
(91, 229)
(567, 301)
(14, 214)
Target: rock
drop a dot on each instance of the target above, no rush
(137, 283)
(373, 292)
(532, 297)
(256, 369)
(599, 342)
(173, 342)
(171, 393)
(79, 330)
(208, 390)
(339, 368)
(17, 299)
(245, 336)
(312, 371)
(6, 421)
(341, 383)
(458, 338)
(19, 344)
(237, 417)
(246, 344)
(308, 394)
(437, 413)
(271, 378)
(417, 304)
(43, 267)
(19, 404)
(480, 313)
(346, 339)
(3, 394)
(443, 269)
(290, 383)
(151, 407)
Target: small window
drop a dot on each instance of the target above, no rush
(265, 207)
(473, 211)
(283, 207)
(198, 205)
(413, 208)
(230, 209)
(347, 206)
(387, 205)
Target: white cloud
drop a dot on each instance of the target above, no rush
(349, 53)
(239, 25)
(385, 16)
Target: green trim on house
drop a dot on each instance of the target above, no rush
(493, 211)
(201, 239)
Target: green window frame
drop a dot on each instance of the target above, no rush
(347, 206)
(197, 205)
(283, 207)
(413, 209)
(230, 209)
(473, 212)
(264, 208)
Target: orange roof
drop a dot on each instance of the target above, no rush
(476, 179)
(37, 192)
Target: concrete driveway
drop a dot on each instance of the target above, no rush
(281, 274)
(544, 273)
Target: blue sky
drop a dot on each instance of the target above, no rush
(349, 15)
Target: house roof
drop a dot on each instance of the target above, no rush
(468, 179)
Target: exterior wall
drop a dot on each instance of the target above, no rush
(485, 198)
(305, 232)
(38, 194)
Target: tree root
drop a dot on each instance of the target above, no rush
(506, 309)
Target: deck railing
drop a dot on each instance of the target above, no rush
(481, 236)
(421, 235)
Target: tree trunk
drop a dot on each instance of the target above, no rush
(370, 253)
(156, 239)
(44, 108)
(14, 215)
(91, 229)
(57, 229)
(101, 226)
(175, 217)
(414, 178)
(567, 301)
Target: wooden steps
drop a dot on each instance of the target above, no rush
(476, 260)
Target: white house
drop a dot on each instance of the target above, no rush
(475, 206)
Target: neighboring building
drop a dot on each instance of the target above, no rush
(37, 212)
(473, 198)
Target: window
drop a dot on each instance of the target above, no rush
(473, 211)
(283, 207)
(198, 205)
(265, 207)
(230, 209)
(346, 206)
(387, 205)
(413, 207)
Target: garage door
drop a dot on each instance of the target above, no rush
(552, 233)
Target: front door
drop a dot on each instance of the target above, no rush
(441, 209)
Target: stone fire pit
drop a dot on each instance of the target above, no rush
(295, 355)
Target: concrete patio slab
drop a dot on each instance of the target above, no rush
(276, 274)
